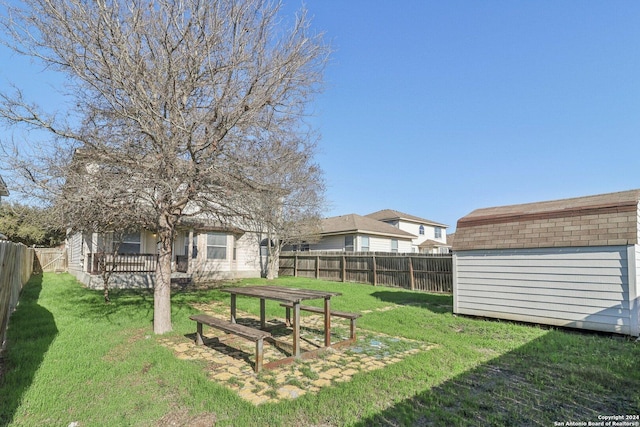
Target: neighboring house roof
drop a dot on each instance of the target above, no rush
(354, 223)
(3, 188)
(600, 220)
(450, 238)
(390, 214)
(433, 244)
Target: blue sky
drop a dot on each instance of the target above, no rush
(436, 108)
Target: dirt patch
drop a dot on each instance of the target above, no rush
(182, 418)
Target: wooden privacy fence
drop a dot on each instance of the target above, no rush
(16, 265)
(50, 260)
(420, 272)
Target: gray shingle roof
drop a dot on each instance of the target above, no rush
(390, 214)
(354, 223)
(601, 220)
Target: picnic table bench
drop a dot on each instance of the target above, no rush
(343, 314)
(246, 332)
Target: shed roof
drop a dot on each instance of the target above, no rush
(354, 223)
(390, 214)
(600, 220)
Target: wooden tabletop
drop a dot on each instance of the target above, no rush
(278, 293)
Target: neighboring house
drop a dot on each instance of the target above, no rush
(4, 191)
(201, 252)
(430, 236)
(450, 239)
(572, 262)
(355, 233)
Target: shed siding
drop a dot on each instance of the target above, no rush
(582, 287)
(634, 291)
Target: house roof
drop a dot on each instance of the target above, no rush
(433, 244)
(353, 223)
(390, 214)
(599, 220)
(3, 188)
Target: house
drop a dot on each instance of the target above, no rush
(202, 252)
(356, 233)
(203, 248)
(430, 236)
(572, 263)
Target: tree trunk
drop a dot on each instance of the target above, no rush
(162, 291)
(273, 261)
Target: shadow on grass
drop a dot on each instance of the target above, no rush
(432, 302)
(32, 329)
(562, 376)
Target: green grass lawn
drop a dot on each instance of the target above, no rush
(72, 358)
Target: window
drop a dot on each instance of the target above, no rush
(437, 232)
(421, 230)
(216, 246)
(394, 245)
(195, 246)
(130, 244)
(364, 243)
(348, 243)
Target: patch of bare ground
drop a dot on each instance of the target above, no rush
(182, 418)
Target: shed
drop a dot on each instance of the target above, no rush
(572, 263)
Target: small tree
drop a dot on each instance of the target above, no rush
(288, 200)
(166, 96)
(106, 258)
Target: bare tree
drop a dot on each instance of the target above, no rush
(105, 258)
(290, 199)
(168, 95)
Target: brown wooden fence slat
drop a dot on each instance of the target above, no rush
(16, 266)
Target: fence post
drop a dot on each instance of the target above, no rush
(344, 268)
(295, 265)
(375, 273)
(412, 281)
(317, 266)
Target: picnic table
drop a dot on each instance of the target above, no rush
(289, 296)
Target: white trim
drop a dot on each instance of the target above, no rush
(633, 251)
(454, 286)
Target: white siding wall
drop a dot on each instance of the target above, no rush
(376, 244)
(429, 232)
(405, 246)
(380, 244)
(247, 261)
(74, 249)
(328, 243)
(246, 264)
(585, 287)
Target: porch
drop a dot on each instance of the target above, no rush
(130, 263)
